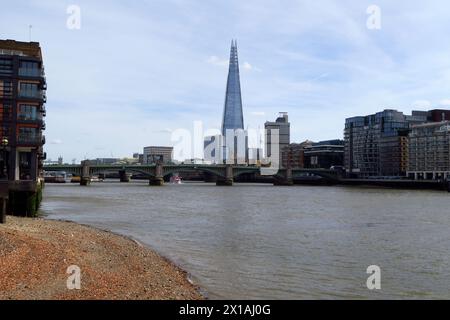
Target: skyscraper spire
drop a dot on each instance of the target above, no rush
(233, 117)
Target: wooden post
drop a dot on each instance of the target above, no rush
(4, 195)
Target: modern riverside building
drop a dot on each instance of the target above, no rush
(278, 136)
(154, 155)
(22, 111)
(324, 154)
(376, 145)
(429, 150)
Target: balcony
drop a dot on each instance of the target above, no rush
(30, 117)
(31, 139)
(35, 73)
(33, 94)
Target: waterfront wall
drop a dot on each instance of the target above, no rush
(25, 200)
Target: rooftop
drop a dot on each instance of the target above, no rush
(28, 49)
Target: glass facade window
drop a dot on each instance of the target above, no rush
(29, 69)
(27, 112)
(28, 135)
(29, 90)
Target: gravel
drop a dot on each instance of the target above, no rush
(35, 255)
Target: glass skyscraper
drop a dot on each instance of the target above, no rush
(233, 117)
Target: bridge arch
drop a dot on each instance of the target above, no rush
(171, 171)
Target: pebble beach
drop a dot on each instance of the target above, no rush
(35, 255)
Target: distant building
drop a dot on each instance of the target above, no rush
(60, 160)
(139, 157)
(233, 117)
(234, 138)
(376, 145)
(155, 154)
(104, 161)
(438, 115)
(293, 155)
(429, 150)
(324, 154)
(278, 132)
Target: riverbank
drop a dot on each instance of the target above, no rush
(35, 255)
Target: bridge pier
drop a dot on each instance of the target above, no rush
(286, 180)
(228, 180)
(85, 174)
(158, 179)
(124, 176)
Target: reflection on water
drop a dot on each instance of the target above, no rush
(265, 242)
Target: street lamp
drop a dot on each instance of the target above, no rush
(4, 143)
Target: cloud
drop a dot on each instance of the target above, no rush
(214, 60)
(247, 66)
(56, 141)
(445, 102)
(423, 104)
(258, 113)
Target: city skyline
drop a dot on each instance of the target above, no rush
(319, 62)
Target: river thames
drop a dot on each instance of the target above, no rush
(256, 241)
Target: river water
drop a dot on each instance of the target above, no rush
(255, 241)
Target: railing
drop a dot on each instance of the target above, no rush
(31, 72)
(32, 94)
(31, 139)
(30, 117)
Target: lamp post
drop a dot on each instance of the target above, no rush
(5, 143)
(4, 184)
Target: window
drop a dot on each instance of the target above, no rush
(25, 165)
(4, 131)
(30, 90)
(29, 68)
(27, 112)
(6, 89)
(6, 66)
(28, 135)
(5, 112)
(29, 65)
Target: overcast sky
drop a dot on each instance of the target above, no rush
(137, 70)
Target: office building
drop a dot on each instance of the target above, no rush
(324, 154)
(429, 150)
(293, 155)
(278, 135)
(158, 155)
(376, 145)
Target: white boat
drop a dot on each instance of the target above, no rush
(175, 179)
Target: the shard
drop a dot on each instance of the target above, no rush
(233, 117)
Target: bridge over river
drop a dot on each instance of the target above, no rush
(225, 174)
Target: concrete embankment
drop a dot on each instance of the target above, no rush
(398, 184)
(35, 255)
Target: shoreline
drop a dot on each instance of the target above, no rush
(35, 254)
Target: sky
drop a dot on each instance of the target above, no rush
(136, 71)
